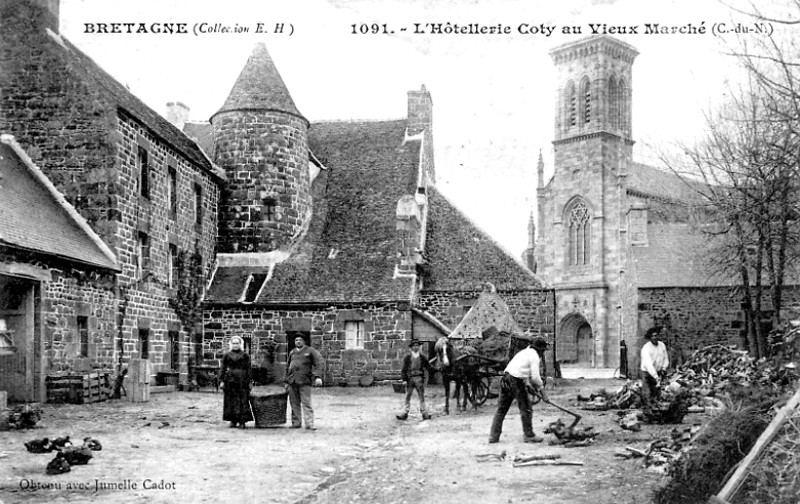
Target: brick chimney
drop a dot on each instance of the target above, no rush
(177, 114)
(420, 111)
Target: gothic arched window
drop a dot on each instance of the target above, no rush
(613, 103)
(579, 234)
(622, 109)
(572, 105)
(586, 97)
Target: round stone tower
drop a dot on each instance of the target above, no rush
(260, 140)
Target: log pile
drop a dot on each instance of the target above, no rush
(699, 382)
(570, 437)
(661, 452)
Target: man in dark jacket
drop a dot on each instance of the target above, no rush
(302, 370)
(416, 369)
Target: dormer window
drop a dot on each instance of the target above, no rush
(253, 286)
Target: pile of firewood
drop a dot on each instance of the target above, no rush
(699, 381)
(661, 452)
(570, 437)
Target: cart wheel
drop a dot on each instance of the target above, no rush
(480, 390)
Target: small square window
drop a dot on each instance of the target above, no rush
(354, 334)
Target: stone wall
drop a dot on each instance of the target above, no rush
(72, 292)
(66, 298)
(268, 196)
(65, 126)
(387, 329)
(144, 295)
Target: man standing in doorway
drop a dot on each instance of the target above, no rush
(522, 372)
(302, 370)
(655, 362)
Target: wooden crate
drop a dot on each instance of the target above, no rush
(78, 388)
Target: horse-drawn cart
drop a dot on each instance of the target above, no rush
(478, 373)
(472, 366)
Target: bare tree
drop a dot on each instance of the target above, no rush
(746, 164)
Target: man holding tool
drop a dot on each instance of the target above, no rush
(520, 373)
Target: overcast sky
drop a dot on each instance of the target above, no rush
(493, 95)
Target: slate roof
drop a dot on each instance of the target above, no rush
(83, 66)
(350, 250)
(260, 87)
(203, 134)
(34, 216)
(649, 181)
(462, 257)
(673, 258)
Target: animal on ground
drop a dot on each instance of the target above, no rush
(39, 446)
(61, 442)
(77, 455)
(92, 443)
(58, 465)
(447, 362)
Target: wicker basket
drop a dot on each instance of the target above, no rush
(269, 407)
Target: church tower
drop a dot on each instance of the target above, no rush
(582, 251)
(260, 140)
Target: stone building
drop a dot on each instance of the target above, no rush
(57, 295)
(617, 240)
(145, 188)
(336, 232)
(330, 230)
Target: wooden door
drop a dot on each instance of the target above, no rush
(17, 370)
(584, 343)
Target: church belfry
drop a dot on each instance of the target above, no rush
(594, 94)
(581, 246)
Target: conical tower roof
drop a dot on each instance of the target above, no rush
(260, 87)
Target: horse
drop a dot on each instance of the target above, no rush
(447, 357)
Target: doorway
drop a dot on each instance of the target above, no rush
(21, 371)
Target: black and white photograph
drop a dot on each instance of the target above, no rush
(400, 251)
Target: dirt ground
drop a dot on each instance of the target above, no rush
(176, 449)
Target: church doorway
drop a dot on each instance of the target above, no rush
(583, 342)
(575, 340)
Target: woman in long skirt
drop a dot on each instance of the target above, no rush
(235, 377)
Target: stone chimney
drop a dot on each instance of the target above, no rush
(420, 111)
(51, 10)
(408, 225)
(177, 114)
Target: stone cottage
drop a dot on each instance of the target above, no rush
(330, 230)
(57, 295)
(144, 187)
(335, 231)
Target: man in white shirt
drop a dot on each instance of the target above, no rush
(655, 362)
(520, 373)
